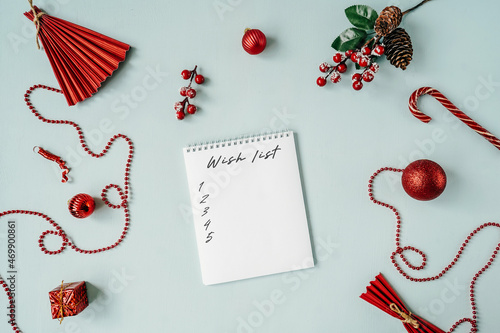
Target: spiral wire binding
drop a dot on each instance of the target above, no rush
(238, 141)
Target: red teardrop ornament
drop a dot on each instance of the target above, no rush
(424, 180)
(81, 205)
(254, 41)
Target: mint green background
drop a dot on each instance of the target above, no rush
(152, 282)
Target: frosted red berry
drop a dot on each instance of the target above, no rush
(182, 91)
(368, 76)
(356, 77)
(342, 68)
(374, 67)
(357, 85)
(337, 57)
(186, 74)
(191, 93)
(348, 53)
(379, 50)
(363, 61)
(321, 81)
(180, 115)
(335, 77)
(178, 106)
(366, 50)
(354, 57)
(191, 109)
(199, 79)
(324, 67)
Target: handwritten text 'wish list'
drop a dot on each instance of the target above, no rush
(243, 157)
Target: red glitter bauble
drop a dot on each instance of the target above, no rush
(424, 180)
(254, 41)
(81, 205)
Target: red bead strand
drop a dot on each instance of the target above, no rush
(65, 241)
(400, 251)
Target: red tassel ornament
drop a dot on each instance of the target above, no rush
(254, 41)
(81, 205)
(380, 294)
(80, 58)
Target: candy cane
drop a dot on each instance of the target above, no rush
(452, 108)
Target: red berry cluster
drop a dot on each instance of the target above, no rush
(364, 57)
(188, 92)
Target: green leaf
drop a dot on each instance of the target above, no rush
(349, 39)
(361, 16)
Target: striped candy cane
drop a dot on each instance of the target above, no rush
(452, 108)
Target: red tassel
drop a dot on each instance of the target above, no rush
(381, 294)
(80, 58)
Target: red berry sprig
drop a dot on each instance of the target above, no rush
(184, 106)
(365, 57)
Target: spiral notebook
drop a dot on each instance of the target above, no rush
(248, 208)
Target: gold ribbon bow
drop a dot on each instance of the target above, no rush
(407, 318)
(61, 305)
(36, 21)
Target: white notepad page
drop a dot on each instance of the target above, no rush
(248, 208)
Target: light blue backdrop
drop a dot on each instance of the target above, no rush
(152, 282)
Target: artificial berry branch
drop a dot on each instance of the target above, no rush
(355, 44)
(364, 57)
(188, 93)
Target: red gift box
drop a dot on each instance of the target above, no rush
(69, 299)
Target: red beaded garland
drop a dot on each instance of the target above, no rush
(66, 242)
(400, 251)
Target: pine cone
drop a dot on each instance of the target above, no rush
(398, 48)
(388, 20)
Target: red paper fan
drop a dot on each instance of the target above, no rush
(80, 58)
(381, 294)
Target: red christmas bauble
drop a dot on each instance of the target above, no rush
(81, 205)
(254, 41)
(424, 180)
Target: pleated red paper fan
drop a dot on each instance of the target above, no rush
(80, 58)
(381, 294)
